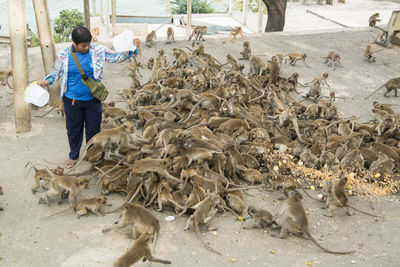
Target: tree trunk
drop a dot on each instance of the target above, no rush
(276, 15)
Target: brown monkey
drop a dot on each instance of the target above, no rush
(83, 206)
(150, 38)
(368, 54)
(321, 79)
(140, 249)
(294, 57)
(246, 53)
(260, 218)
(4, 76)
(332, 59)
(373, 20)
(391, 85)
(42, 174)
(150, 63)
(203, 214)
(58, 183)
(236, 203)
(235, 32)
(95, 32)
(339, 191)
(295, 221)
(257, 66)
(288, 182)
(181, 57)
(143, 221)
(106, 137)
(170, 35)
(198, 33)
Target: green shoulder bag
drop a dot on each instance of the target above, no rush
(97, 88)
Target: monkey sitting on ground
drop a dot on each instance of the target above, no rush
(72, 184)
(4, 76)
(246, 53)
(260, 218)
(170, 35)
(295, 221)
(42, 174)
(339, 191)
(83, 206)
(150, 38)
(140, 249)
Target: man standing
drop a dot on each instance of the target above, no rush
(82, 110)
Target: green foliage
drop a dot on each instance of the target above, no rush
(65, 23)
(35, 39)
(253, 6)
(198, 7)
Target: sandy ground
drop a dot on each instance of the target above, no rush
(25, 240)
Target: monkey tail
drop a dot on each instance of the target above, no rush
(33, 166)
(156, 234)
(57, 213)
(325, 249)
(363, 212)
(191, 112)
(196, 226)
(83, 155)
(374, 91)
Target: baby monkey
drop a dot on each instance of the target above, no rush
(140, 249)
(150, 38)
(246, 53)
(170, 35)
(260, 218)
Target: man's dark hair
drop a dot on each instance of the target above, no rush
(81, 35)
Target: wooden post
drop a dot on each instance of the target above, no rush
(19, 61)
(46, 45)
(86, 10)
(94, 13)
(189, 17)
(168, 7)
(245, 9)
(260, 15)
(113, 14)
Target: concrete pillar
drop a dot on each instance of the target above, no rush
(113, 14)
(107, 14)
(230, 7)
(46, 45)
(94, 13)
(260, 15)
(168, 7)
(189, 17)
(102, 10)
(86, 11)
(245, 9)
(19, 61)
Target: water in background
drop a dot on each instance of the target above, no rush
(124, 7)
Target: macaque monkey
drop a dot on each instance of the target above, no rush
(150, 38)
(198, 33)
(321, 79)
(339, 191)
(84, 206)
(170, 35)
(246, 53)
(368, 54)
(295, 221)
(203, 214)
(287, 182)
(257, 65)
(95, 32)
(236, 203)
(181, 57)
(235, 32)
(332, 59)
(374, 19)
(143, 221)
(150, 63)
(140, 249)
(42, 174)
(58, 183)
(106, 137)
(4, 76)
(260, 218)
(294, 57)
(391, 85)
(385, 107)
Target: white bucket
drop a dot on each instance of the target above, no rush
(36, 95)
(124, 41)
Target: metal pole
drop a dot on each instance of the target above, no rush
(260, 15)
(86, 9)
(46, 45)
(245, 9)
(94, 13)
(19, 61)
(189, 17)
(113, 14)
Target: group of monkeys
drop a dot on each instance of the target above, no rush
(200, 133)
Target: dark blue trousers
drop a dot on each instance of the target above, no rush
(80, 114)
